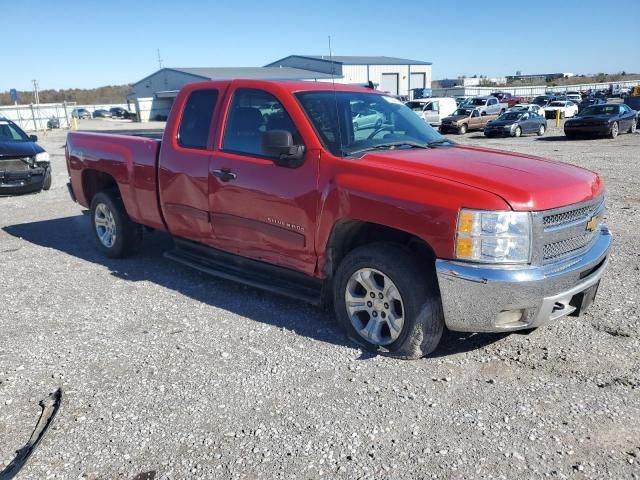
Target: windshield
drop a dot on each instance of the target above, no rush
(541, 100)
(600, 110)
(415, 105)
(348, 122)
(465, 112)
(557, 104)
(510, 116)
(477, 101)
(11, 133)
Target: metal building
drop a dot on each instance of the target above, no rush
(153, 95)
(398, 76)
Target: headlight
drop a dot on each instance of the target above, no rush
(42, 157)
(493, 237)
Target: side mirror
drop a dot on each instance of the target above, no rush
(33, 138)
(279, 144)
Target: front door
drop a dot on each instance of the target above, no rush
(257, 208)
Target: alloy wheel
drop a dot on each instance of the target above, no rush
(105, 225)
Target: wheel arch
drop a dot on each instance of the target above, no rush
(95, 181)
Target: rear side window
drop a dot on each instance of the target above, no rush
(196, 119)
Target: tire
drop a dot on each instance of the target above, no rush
(517, 132)
(46, 183)
(633, 127)
(541, 130)
(125, 236)
(615, 129)
(462, 129)
(415, 300)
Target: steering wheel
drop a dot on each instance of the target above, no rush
(380, 129)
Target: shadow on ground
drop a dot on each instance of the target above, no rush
(71, 235)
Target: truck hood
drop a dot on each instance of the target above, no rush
(525, 182)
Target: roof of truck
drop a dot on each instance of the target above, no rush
(291, 86)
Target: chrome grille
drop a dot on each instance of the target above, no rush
(570, 245)
(569, 216)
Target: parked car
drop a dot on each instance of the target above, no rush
(433, 110)
(508, 98)
(543, 100)
(81, 113)
(25, 166)
(489, 105)
(53, 122)
(608, 119)
(575, 97)
(404, 231)
(119, 112)
(101, 113)
(365, 117)
(515, 124)
(465, 119)
(527, 107)
(566, 107)
(462, 100)
(587, 102)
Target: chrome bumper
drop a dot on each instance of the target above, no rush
(475, 298)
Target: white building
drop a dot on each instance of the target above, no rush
(397, 76)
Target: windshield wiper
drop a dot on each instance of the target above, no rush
(390, 146)
(442, 141)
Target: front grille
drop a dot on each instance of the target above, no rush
(14, 165)
(570, 245)
(569, 216)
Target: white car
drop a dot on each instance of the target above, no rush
(567, 109)
(574, 97)
(527, 107)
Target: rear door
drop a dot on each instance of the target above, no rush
(257, 208)
(184, 167)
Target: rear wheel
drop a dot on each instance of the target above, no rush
(541, 130)
(462, 129)
(386, 303)
(615, 129)
(114, 232)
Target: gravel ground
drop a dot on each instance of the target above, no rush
(167, 371)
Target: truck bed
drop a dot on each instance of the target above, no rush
(129, 160)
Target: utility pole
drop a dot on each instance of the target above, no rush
(36, 98)
(159, 60)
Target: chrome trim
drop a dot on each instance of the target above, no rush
(474, 294)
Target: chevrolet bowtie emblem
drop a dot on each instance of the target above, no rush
(592, 224)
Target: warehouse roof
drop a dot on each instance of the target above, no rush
(359, 60)
(254, 73)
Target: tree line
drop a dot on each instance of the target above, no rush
(82, 96)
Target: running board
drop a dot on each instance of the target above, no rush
(249, 272)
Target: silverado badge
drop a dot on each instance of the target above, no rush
(592, 224)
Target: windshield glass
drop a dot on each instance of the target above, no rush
(477, 101)
(347, 122)
(541, 100)
(510, 116)
(11, 133)
(557, 104)
(600, 110)
(415, 105)
(462, 112)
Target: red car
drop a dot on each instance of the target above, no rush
(402, 230)
(507, 98)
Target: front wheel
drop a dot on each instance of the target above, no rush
(46, 183)
(541, 130)
(614, 130)
(462, 129)
(114, 232)
(386, 303)
(633, 127)
(517, 132)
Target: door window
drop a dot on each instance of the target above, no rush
(252, 113)
(196, 119)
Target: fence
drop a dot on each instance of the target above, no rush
(35, 117)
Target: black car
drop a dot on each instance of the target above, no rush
(608, 119)
(80, 113)
(24, 165)
(515, 124)
(587, 102)
(119, 112)
(101, 113)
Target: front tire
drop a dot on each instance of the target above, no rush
(462, 129)
(633, 127)
(615, 129)
(517, 132)
(114, 233)
(387, 303)
(541, 130)
(46, 183)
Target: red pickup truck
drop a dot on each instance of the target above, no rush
(268, 183)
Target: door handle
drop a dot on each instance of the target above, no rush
(224, 174)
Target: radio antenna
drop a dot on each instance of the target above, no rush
(335, 95)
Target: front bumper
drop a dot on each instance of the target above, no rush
(28, 181)
(475, 296)
(587, 129)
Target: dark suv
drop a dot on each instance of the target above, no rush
(119, 112)
(24, 165)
